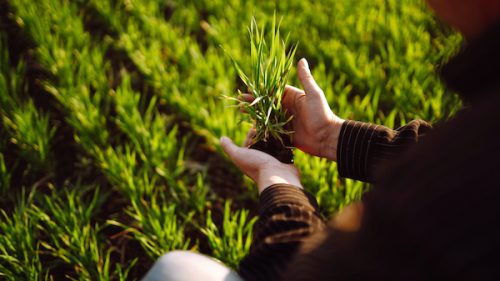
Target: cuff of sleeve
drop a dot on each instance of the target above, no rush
(353, 150)
(277, 194)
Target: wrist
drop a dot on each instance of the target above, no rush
(329, 143)
(284, 174)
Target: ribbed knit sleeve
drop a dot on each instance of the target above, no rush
(287, 216)
(364, 147)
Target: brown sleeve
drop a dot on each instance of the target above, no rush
(364, 147)
(287, 216)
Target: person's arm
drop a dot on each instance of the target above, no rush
(287, 213)
(359, 148)
(363, 148)
(287, 216)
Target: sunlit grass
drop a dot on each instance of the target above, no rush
(271, 62)
(128, 77)
(232, 241)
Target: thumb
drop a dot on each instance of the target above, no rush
(306, 79)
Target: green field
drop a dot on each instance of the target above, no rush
(111, 111)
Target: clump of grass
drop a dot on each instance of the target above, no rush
(270, 64)
(24, 125)
(231, 242)
(20, 257)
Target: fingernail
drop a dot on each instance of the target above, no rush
(304, 61)
(306, 64)
(224, 140)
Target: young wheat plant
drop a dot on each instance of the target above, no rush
(270, 64)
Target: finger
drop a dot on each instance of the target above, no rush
(229, 147)
(306, 79)
(249, 138)
(237, 154)
(247, 97)
(247, 160)
(289, 98)
(289, 88)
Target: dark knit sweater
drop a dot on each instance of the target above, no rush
(434, 212)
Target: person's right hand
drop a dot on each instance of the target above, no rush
(316, 128)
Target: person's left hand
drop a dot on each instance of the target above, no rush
(261, 167)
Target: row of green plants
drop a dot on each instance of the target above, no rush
(61, 217)
(180, 76)
(147, 168)
(23, 126)
(359, 61)
(130, 76)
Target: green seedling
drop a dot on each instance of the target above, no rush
(371, 68)
(20, 258)
(271, 62)
(231, 242)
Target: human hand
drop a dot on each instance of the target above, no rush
(316, 128)
(262, 168)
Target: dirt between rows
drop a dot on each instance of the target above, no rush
(225, 181)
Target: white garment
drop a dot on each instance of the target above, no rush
(189, 266)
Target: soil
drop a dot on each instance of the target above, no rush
(281, 151)
(224, 179)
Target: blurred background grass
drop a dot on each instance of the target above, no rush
(111, 114)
